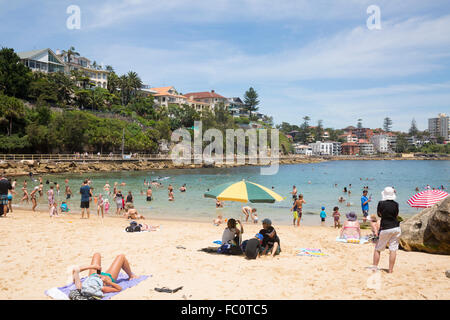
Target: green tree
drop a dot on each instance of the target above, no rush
(387, 124)
(11, 108)
(15, 77)
(70, 53)
(251, 101)
(413, 131)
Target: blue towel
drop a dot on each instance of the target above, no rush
(217, 242)
(122, 280)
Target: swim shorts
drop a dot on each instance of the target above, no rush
(3, 199)
(365, 213)
(84, 205)
(295, 214)
(149, 198)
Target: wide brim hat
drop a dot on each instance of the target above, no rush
(388, 194)
(351, 216)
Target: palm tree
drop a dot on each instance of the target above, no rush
(134, 81)
(71, 52)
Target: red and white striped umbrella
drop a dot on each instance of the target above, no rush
(427, 198)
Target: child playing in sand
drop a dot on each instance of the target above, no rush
(336, 216)
(217, 221)
(54, 210)
(323, 215)
(64, 207)
(254, 217)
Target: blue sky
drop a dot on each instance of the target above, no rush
(315, 58)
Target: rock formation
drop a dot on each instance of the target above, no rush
(429, 230)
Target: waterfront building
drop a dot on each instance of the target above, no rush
(337, 148)
(167, 95)
(365, 147)
(350, 148)
(209, 97)
(98, 76)
(322, 148)
(439, 127)
(44, 60)
(380, 143)
(302, 149)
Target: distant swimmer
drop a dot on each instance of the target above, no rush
(183, 188)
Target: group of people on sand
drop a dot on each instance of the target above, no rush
(266, 241)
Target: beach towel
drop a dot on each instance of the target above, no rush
(62, 293)
(306, 252)
(361, 240)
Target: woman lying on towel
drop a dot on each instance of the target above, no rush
(98, 282)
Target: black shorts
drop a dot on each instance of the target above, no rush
(68, 196)
(84, 205)
(323, 219)
(149, 198)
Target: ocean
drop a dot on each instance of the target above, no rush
(320, 183)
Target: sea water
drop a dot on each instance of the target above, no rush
(320, 183)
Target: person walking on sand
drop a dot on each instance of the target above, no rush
(323, 215)
(86, 195)
(389, 232)
(247, 211)
(50, 197)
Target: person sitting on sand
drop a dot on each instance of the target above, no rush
(271, 241)
(253, 247)
(218, 221)
(133, 214)
(104, 282)
(254, 217)
(247, 210)
(232, 234)
(64, 207)
(351, 228)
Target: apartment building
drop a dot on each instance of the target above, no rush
(98, 76)
(209, 97)
(380, 143)
(322, 148)
(439, 127)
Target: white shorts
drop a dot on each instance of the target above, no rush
(389, 236)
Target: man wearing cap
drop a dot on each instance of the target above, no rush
(5, 186)
(270, 242)
(389, 228)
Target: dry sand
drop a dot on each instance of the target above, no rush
(36, 251)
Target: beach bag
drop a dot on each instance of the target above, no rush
(133, 227)
(225, 248)
(92, 286)
(77, 295)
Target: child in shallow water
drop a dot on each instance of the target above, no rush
(336, 216)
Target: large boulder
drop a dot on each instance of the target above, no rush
(429, 230)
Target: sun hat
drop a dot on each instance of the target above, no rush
(267, 221)
(388, 194)
(351, 216)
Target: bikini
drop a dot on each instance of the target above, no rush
(105, 274)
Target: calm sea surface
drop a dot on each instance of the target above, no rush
(316, 181)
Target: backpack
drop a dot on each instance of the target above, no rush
(92, 286)
(133, 227)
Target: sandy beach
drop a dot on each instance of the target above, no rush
(36, 251)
